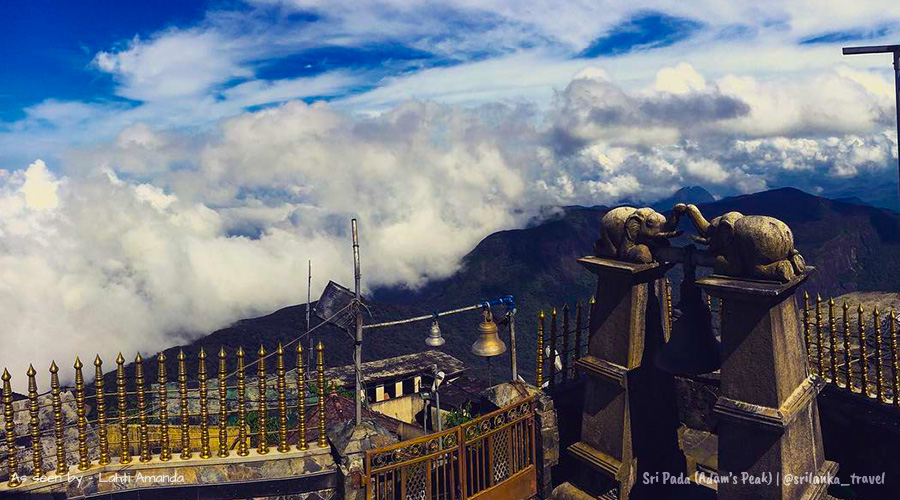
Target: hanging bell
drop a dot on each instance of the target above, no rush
(488, 343)
(692, 348)
(434, 338)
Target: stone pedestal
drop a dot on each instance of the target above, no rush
(630, 419)
(768, 418)
(350, 442)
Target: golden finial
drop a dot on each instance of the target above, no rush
(262, 445)
(165, 452)
(301, 400)
(34, 425)
(579, 310)
(283, 446)
(895, 359)
(100, 396)
(320, 353)
(832, 339)
(183, 407)
(539, 367)
(551, 372)
(125, 453)
(565, 345)
(205, 451)
(84, 462)
(820, 339)
(243, 448)
(807, 330)
(848, 367)
(143, 430)
(223, 404)
(879, 362)
(864, 356)
(8, 415)
(62, 465)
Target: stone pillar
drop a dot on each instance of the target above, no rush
(630, 418)
(767, 413)
(350, 443)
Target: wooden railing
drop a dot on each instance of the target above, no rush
(491, 457)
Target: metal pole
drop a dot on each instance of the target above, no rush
(437, 396)
(897, 105)
(359, 322)
(511, 316)
(309, 365)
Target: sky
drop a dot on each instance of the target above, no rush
(169, 167)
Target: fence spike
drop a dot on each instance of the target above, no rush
(223, 404)
(262, 445)
(848, 366)
(243, 446)
(301, 400)
(863, 355)
(62, 464)
(895, 360)
(551, 374)
(579, 310)
(183, 407)
(281, 387)
(565, 345)
(165, 449)
(820, 338)
(807, 330)
(320, 354)
(12, 461)
(539, 368)
(100, 396)
(879, 361)
(125, 452)
(144, 431)
(34, 424)
(205, 451)
(84, 461)
(832, 334)
(667, 299)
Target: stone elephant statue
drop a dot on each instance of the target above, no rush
(749, 246)
(632, 234)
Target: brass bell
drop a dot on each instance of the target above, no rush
(434, 338)
(692, 348)
(488, 343)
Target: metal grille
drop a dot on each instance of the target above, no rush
(415, 481)
(500, 444)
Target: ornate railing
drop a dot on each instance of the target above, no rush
(134, 422)
(492, 456)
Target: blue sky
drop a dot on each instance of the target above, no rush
(167, 166)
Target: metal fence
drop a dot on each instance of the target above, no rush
(490, 457)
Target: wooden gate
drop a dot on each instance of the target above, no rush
(491, 457)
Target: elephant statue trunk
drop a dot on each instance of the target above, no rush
(700, 223)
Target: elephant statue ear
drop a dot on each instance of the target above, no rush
(725, 232)
(632, 227)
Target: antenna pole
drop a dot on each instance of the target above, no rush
(308, 307)
(359, 321)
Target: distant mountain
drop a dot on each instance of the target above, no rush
(853, 247)
(692, 194)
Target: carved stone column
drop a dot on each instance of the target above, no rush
(630, 420)
(768, 418)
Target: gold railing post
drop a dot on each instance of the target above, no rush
(223, 404)
(62, 464)
(100, 395)
(283, 446)
(84, 462)
(12, 460)
(125, 453)
(165, 452)
(565, 346)
(667, 297)
(539, 367)
(301, 400)
(863, 355)
(895, 360)
(579, 310)
(34, 424)
(262, 445)
(820, 338)
(205, 452)
(143, 430)
(243, 448)
(879, 362)
(551, 373)
(848, 367)
(183, 407)
(832, 334)
(320, 354)
(807, 333)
